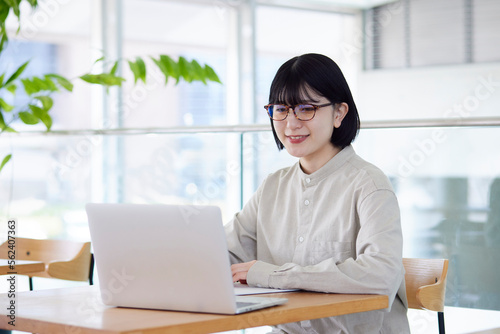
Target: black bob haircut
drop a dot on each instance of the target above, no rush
(324, 76)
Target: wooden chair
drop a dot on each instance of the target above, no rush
(67, 260)
(426, 284)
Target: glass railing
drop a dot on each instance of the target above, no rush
(447, 179)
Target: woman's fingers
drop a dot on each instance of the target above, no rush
(240, 271)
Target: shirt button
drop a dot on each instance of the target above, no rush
(306, 202)
(301, 239)
(308, 180)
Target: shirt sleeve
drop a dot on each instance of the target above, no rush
(241, 232)
(375, 268)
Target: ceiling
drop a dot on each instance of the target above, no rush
(361, 4)
(348, 4)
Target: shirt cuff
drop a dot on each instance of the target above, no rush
(258, 274)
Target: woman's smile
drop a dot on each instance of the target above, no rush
(297, 139)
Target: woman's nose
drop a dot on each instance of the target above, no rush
(292, 121)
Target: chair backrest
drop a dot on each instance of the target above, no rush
(64, 259)
(426, 283)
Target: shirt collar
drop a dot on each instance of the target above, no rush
(330, 167)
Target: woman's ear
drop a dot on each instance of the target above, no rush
(340, 113)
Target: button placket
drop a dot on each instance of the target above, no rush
(304, 226)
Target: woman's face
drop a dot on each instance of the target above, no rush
(310, 140)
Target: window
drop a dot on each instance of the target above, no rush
(283, 33)
(447, 184)
(446, 181)
(462, 32)
(195, 31)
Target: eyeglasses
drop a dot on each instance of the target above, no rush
(303, 112)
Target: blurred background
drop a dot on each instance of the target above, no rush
(425, 75)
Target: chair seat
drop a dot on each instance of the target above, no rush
(68, 260)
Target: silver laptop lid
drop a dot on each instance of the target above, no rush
(162, 257)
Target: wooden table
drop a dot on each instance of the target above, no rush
(80, 310)
(21, 267)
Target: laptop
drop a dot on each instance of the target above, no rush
(167, 257)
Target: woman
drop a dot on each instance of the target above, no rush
(329, 223)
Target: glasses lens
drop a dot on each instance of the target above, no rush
(304, 112)
(278, 112)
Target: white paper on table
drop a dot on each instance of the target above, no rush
(244, 289)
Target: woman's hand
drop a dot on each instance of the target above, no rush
(240, 271)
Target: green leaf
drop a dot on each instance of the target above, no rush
(9, 129)
(28, 118)
(104, 79)
(135, 70)
(4, 38)
(14, 5)
(11, 88)
(139, 69)
(17, 73)
(162, 68)
(198, 71)
(90, 78)
(29, 87)
(142, 68)
(39, 84)
(5, 106)
(172, 67)
(185, 69)
(99, 59)
(5, 161)
(36, 85)
(35, 109)
(49, 84)
(114, 68)
(211, 75)
(62, 81)
(4, 12)
(4, 127)
(47, 102)
(42, 115)
(1, 79)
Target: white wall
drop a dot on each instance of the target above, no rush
(462, 91)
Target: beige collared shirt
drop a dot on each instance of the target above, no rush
(335, 230)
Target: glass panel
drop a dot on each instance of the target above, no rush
(195, 31)
(281, 33)
(447, 183)
(446, 180)
(199, 169)
(55, 39)
(46, 186)
(261, 157)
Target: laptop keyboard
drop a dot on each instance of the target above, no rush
(244, 304)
